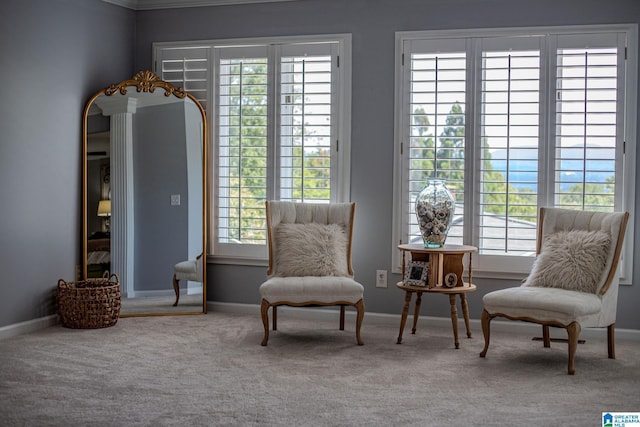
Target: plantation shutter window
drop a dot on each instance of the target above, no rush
(306, 123)
(509, 139)
(524, 119)
(436, 122)
(279, 115)
(188, 68)
(242, 149)
(588, 132)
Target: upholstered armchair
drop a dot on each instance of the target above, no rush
(187, 270)
(573, 283)
(310, 260)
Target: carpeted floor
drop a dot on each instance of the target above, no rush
(211, 371)
(161, 305)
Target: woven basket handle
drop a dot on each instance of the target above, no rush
(61, 282)
(111, 277)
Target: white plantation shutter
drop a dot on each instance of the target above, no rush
(242, 108)
(509, 139)
(588, 131)
(186, 67)
(306, 123)
(436, 74)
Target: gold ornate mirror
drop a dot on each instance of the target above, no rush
(144, 195)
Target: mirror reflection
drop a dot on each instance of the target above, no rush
(144, 199)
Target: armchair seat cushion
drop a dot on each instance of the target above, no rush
(186, 268)
(316, 289)
(543, 304)
(189, 270)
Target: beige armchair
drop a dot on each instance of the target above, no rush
(573, 282)
(310, 260)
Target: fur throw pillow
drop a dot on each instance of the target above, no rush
(310, 250)
(571, 260)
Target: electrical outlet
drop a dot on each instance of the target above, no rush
(381, 278)
(175, 200)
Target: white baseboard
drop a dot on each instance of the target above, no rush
(370, 319)
(28, 326)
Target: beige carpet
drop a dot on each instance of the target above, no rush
(210, 370)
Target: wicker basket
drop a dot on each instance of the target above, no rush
(90, 303)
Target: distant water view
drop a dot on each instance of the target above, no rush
(524, 174)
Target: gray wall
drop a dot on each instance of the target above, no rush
(55, 54)
(161, 230)
(372, 24)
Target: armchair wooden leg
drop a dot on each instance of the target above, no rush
(264, 311)
(342, 317)
(573, 330)
(176, 289)
(486, 320)
(611, 340)
(359, 317)
(546, 338)
(274, 313)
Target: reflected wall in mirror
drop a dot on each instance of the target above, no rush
(144, 195)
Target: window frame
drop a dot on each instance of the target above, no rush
(515, 266)
(341, 141)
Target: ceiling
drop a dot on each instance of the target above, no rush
(170, 4)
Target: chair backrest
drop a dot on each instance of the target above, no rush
(280, 212)
(553, 220)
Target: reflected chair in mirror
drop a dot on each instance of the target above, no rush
(573, 282)
(186, 270)
(310, 260)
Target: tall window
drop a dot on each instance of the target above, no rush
(514, 121)
(280, 118)
(437, 101)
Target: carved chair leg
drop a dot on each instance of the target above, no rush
(611, 340)
(274, 313)
(176, 289)
(264, 311)
(573, 331)
(486, 320)
(359, 317)
(546, 338)
(342, 317)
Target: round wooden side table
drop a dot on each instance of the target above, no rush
(445, 276)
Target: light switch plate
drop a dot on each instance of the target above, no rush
(381, 278)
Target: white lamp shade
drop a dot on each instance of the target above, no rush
(104, 208)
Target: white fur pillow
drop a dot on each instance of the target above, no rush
(571, 260)
(310, 250)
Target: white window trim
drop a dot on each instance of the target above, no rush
(343, 167)
(630, 137)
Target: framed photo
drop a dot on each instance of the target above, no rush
(416, 273)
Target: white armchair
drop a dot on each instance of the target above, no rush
(310, 260)
(573, 282)
(187, 270)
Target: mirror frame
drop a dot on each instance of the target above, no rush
(147, 82)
